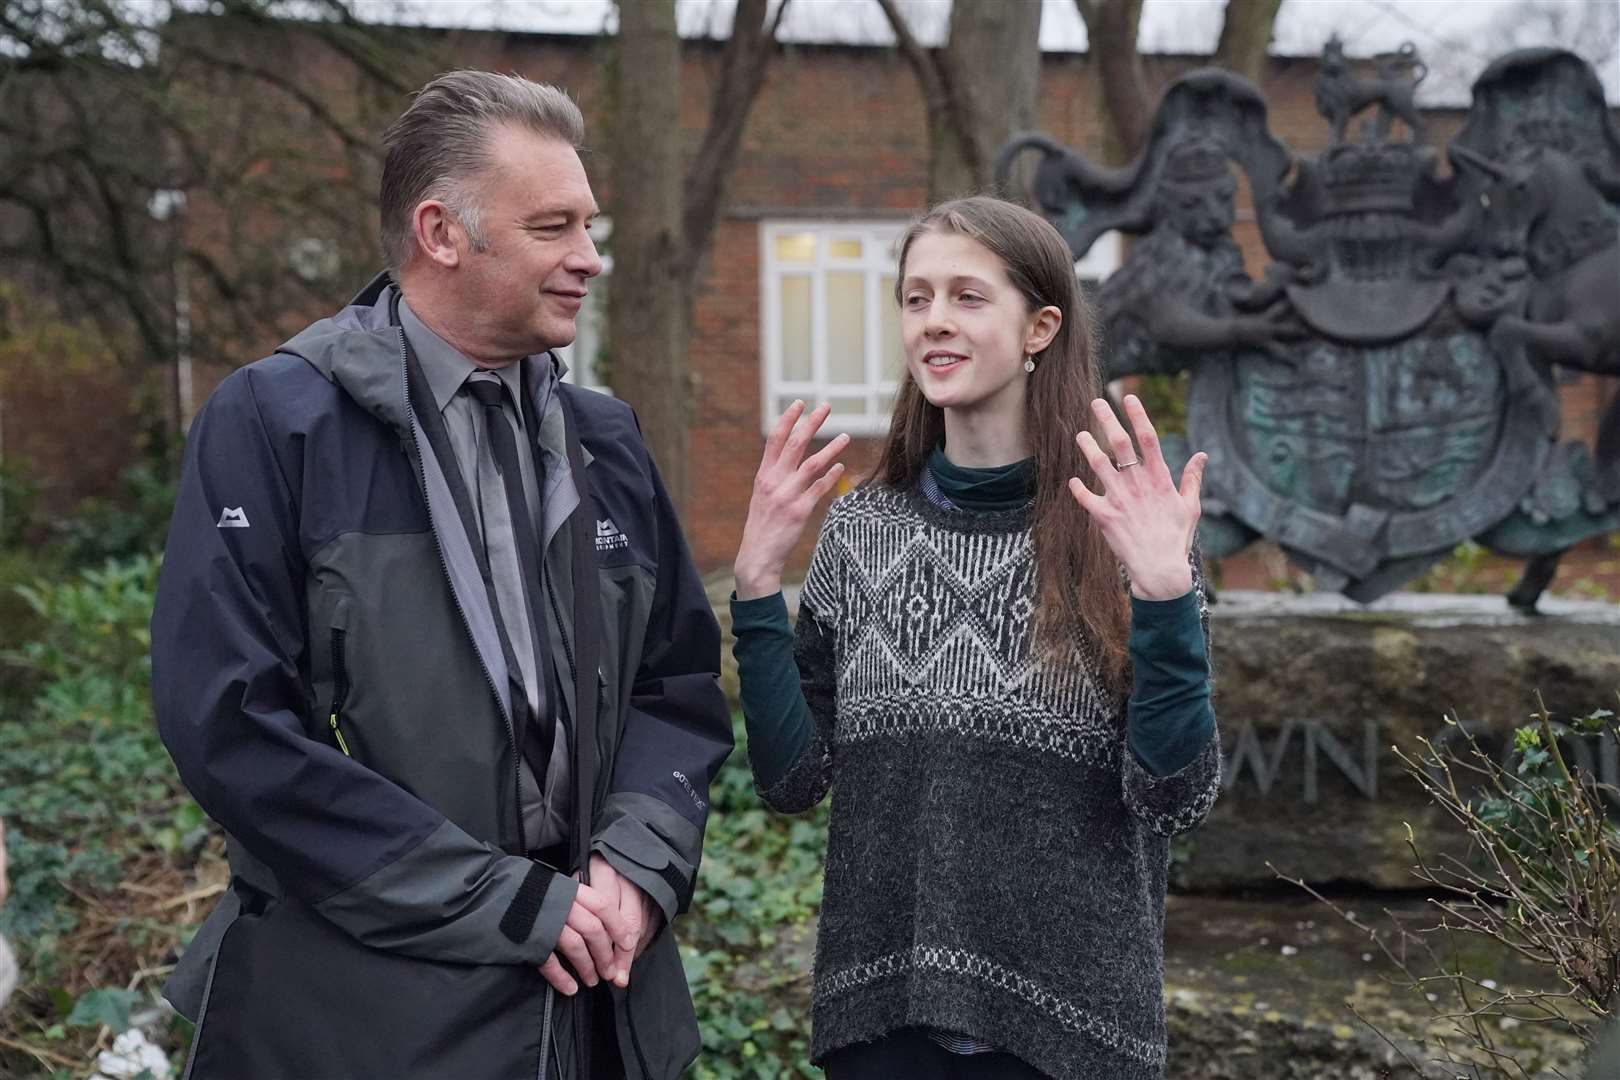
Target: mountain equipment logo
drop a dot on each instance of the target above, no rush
(609, 538)
(233, 518)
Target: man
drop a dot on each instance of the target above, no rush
(429, 646)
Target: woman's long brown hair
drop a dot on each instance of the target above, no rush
(1077, 578)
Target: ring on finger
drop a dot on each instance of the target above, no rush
(1127, 464)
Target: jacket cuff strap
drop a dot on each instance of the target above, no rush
(518, 922)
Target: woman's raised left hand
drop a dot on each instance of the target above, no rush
(1147, 520)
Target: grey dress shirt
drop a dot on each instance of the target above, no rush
(446, 370)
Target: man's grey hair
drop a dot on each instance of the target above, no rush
(439, 148)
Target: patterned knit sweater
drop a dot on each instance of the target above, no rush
(996, 857)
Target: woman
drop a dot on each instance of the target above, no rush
(1010, 735)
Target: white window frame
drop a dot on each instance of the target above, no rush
(1102, 258)
(880, 241)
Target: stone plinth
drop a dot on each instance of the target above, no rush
(1313, 692)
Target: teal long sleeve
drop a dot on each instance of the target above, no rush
(774, 710)
(1170, 717)
(1169, 720)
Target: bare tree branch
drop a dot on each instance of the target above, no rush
(922, 64)
(742, 74)
(1111, 31)
(663, 224)
(1245, 35)
(104, 103)
(977, 89)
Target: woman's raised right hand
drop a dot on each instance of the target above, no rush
(786, 490)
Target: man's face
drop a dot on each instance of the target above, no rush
(524, 290)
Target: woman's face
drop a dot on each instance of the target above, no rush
(965, 327)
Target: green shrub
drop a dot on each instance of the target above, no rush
(19, 622)
(94, 812)
(81, 767)
(102, 833)
(19, 501)
(745, 945)
(132, 524)
(93, 644)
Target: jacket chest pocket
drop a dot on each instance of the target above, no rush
(332, 675)
(340, 672)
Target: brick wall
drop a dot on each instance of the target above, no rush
(841, 132)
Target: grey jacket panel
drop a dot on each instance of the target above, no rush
(426, 905)
(650, 844)
(381, 600)
(187, 984)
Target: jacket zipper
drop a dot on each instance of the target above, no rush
(635, 1039)
(545, 1037)
(466, 624)
(340, 688)
(568, 650)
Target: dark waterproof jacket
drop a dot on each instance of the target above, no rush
(329, 677)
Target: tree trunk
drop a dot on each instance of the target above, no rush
(978, 89)
(647, 316)
(1111, 30)
(1245, 35)
(992, 65)
(663, 224)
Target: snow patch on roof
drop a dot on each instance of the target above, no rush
(1456, 40)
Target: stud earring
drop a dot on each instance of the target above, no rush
(1029, 364)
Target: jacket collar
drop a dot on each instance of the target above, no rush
(361, 351)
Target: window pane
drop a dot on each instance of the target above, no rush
(796, 327)
(796, 247)
(844, 249)
(846, 327)
(1101, 259)
(891, 355)
(886, 402)
(845, 406)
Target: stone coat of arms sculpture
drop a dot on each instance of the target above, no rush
(1386, 389)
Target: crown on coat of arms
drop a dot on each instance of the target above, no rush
(1381, 177)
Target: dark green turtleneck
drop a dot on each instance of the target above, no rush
(1004, 487)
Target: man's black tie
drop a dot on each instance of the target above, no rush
(490, 393)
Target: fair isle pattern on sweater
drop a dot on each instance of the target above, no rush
(996, 857)
(950, 615)
(956, 961)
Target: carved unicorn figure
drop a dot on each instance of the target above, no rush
(1556, 246)
(1549, 212)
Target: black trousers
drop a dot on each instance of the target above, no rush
(909, 1054)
